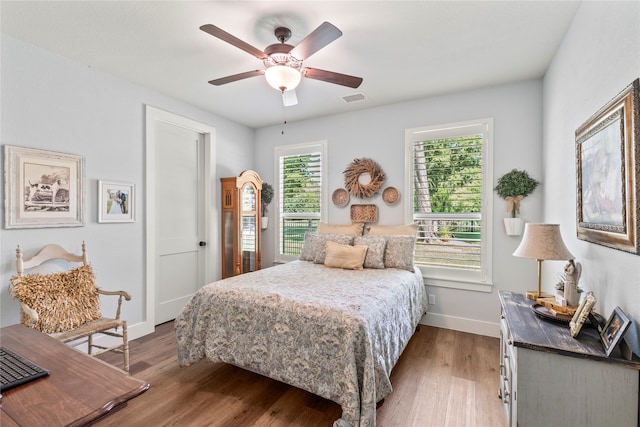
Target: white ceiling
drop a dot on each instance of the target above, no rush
(403, 49)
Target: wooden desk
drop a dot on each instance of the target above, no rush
(79, 389)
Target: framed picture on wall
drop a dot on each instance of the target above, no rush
(43, 188)
(116, 201)
(608, 168)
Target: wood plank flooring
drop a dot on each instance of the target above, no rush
(444, 378)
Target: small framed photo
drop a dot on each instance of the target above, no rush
(116, 201)
(43, 188)
(581, 314)
(614, 329)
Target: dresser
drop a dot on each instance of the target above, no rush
(548, 378)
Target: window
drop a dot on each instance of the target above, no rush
(449, 178)
(299, 195)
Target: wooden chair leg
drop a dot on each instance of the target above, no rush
(90, 344)
(125, 347)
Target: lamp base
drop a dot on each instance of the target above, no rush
(533, 295)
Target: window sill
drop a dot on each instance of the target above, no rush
(457, 283)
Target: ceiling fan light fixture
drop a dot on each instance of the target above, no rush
(282, 77)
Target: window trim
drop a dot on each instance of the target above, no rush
(453, 278)
(291, 150)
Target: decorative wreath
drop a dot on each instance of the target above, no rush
(359, 167)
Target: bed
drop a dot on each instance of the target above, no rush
(334, 332)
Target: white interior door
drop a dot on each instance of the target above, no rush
(179, 225)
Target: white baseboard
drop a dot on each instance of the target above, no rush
(462, 324)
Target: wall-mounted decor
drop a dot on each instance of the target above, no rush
(514, 186)
(363, 178)
(116, 202)
(608, 170)
(391, 195)
(340, 197)
(43, 188)
(364, 213)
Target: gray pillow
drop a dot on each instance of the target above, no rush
(320, 244)
(308, 252)
(375, 250)
(399, 252)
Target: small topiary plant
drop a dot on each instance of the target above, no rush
(267, 197)
(513, 187)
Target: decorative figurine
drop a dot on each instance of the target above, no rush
(572, 272)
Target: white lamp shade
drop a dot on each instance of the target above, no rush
(282, 77)
(543, 242)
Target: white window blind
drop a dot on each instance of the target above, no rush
(300, 195)
(451, 200)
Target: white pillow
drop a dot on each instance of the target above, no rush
(394, 230)
(354, 229)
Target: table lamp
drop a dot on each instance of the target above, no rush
(542, 242)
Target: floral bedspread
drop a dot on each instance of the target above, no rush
(336, 333)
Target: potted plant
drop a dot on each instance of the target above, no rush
(267, 197)
(513, 187)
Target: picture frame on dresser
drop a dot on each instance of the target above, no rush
(614, 329)
(581, 314)
(607, 169)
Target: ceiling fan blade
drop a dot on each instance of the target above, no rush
(233, 40)
(332, 77)
(289, 98)
(236, 77)
(319, 38)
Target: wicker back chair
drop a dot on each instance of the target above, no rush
(66, 305)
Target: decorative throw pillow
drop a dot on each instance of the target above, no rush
(375, 253)
(321, 245)
(399, 252)
(355, 229)
(63, 301)
(394, 230)
(345, 256)
(308, 252)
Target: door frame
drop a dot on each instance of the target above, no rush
(153, 115)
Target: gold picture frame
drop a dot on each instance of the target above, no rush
(581, 314)
(608, 170)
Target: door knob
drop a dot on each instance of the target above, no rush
(203, 243)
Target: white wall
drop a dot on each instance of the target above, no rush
(49, 102)
(599, 57)
(378, 133)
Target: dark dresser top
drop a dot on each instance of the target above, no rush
(530, 331)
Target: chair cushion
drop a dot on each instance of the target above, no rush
(63, 301)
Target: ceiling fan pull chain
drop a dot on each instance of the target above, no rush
(284, 116)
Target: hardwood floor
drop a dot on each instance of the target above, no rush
(444, 378)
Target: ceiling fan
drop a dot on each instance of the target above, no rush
(283, 62)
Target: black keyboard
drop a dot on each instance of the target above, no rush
(16, 369)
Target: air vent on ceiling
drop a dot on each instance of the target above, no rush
(356, 97)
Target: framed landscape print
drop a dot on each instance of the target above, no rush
(43, 188)
(116, 202)
(608, 170)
